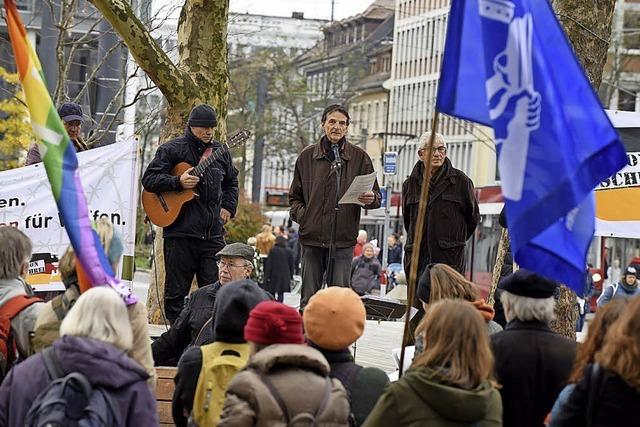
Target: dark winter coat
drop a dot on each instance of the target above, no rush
(420, 399)
(365, 274)
(616, 402)
(364, 385)
(452, 216)
(394, 255)
(312, 195)
(33, 154)
(532, 364)
(103, 364)
(218, 187)
(197, 311)
(278, 270)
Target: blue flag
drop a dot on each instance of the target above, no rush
(508, 64)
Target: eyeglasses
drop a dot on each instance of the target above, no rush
(222, 264)
(442, 149)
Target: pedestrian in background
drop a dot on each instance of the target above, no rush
(361, 240)
(394, 254)
(365, 271)
(451, 383)
(333, 320)
(285, 382)
(278, 272)
(627, 287)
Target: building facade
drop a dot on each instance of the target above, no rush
(418, 47)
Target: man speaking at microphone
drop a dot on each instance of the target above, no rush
(312, 198)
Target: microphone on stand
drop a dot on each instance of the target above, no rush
(336, 154)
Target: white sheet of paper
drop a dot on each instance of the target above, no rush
(361, 184)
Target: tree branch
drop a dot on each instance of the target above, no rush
(176, 85)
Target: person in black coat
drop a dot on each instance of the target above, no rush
(452, 213)
(193, 239)
(279, 269)
(532, 362)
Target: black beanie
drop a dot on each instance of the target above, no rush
(233, 303)
(203, 115)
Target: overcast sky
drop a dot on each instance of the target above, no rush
(318, 9)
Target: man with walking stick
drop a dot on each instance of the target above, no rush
(328, 230)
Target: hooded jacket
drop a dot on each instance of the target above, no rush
(299, 374)
(103, 364)
(420, 399)
(218, 186)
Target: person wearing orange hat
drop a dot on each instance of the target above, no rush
(333, 320)
(285, 381)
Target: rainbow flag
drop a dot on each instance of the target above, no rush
(60, 161)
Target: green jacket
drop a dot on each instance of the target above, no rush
(418, 399)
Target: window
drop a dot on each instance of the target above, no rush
(626, 100)
(631, 29)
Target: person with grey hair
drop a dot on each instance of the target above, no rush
(532, 362)
(95, 338)
(17, 300)
(452, 213)
(193, 323)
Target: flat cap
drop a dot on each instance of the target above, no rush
(238, 250)
(528, 284)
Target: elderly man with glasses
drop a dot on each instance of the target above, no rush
(235, 263)
(71, 115)
(452, 212)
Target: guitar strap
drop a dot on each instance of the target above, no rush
(206, 153)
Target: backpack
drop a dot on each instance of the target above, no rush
(301, 418)
(220, 362)
(46, 333)
(8, 349)
(71, 400)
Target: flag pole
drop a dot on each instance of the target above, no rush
(497, 268)
(417, 238)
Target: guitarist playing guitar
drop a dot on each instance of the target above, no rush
(192, 241)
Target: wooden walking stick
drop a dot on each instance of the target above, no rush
(417, 237)
(503, 247)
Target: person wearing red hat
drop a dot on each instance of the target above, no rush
(285, 381)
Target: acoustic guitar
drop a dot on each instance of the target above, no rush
(163, 209)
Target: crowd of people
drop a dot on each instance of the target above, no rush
(253, 361)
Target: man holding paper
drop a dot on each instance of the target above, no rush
(312, 200)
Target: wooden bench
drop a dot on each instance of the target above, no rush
(164, 394)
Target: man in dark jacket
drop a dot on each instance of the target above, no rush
(236, 263)
(71, 115)
(191, 242)
(333, 320)
(452, 210)
(312, 199)
(232, 308)
(532, 362)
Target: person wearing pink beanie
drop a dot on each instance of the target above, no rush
(285, 380)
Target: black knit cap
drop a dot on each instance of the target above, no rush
(231, 310)
(424, 285)
(203, 115)
(528, 284)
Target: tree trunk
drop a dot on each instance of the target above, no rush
(200, 76)
(587, 24)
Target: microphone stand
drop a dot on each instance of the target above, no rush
(337, 167)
